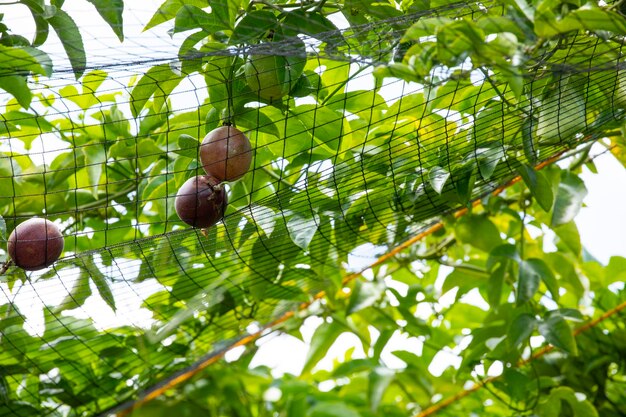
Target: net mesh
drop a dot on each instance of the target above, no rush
(341, 166)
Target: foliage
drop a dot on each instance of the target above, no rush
(504, 85)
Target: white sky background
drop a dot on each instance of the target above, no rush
(602, 222)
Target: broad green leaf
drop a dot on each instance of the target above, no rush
(76, 295)
(364, 295)
(300, 21)
(569, 199)
(302, 229)
(547, 276)
(587, 17)
(95, 156)
(93, 80)
(323, 338)
(615, 271)
(557, 332)
(188, 146)
(425, 27)
(159, 82)
(379, 380)
(326, 126)
(438, 178)
(112, 13)
(191, 17)
(3, 229)
(478, 231)
(496, 282)
(488, 159)
(521, 328)
(42, 28)
(528, 281)
(553, 404)
(169, 8)
(332, 409)
(24, 59)
(539, 186)
(225, 12)
(16, 85)
(253, 27)
(568, 234)
(71, 39)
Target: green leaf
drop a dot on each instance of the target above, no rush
(494, 287)
(76, 295)
(169, 8)
(253, 27)
(42, 28)
(159, 81)
(539, 186)
(17, 86)
(379, 380)
(425, 27)
(188, 146)
(569, 199)
(332, 409)
(557, 332)
(225, 12)
(326, 126)
(15, 60)
(323, 338)
(364, 295)
(528, 281)
(95, 156)
(192, 17)
(568, 234)
(71, 39)
(3, 229)
(547, 276)
(478, 231)
(587, 17)
(102, 283)
(302, 229)
(488, 159)
(438, 178)
(552, 406)
(521, 328)
(300, 21)
(93, 80)
(112, 13)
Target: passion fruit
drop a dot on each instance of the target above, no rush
(35, 244)
(201, 201)
(225, 153)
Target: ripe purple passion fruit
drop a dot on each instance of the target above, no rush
(35, 244)
(225, 153)
(201, 201)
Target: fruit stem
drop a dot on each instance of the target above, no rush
(5, 266)
(229, 88)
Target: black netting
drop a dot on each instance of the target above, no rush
(337, 167)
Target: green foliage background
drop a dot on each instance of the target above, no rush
(505, 85)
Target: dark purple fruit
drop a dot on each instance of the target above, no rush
(225, 153)
(201, 201)
(35, 244)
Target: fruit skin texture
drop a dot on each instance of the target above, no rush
(201, 201)
(271, 76)
(225, 153)
(35, 244)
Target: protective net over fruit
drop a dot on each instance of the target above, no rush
(354, 151)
